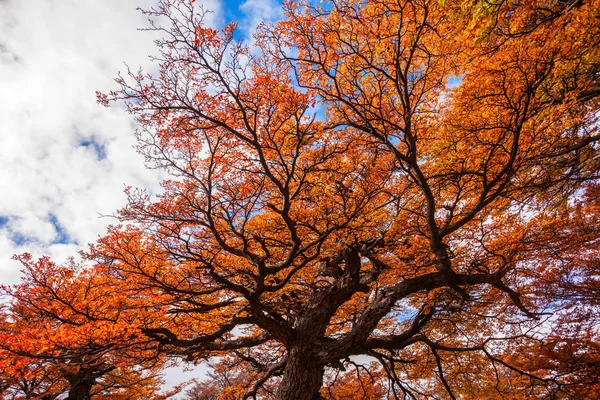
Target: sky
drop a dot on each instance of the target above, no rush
(64, 159)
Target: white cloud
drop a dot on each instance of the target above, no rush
(185, 372)
(257, 11)
(64, 159)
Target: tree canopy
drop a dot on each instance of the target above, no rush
(369, 199)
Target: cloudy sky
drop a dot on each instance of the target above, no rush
(64, 159)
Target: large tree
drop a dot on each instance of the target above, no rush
(404, 182)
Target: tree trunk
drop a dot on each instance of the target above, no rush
(81, 390)
(302, 378)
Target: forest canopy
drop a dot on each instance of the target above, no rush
(367, 200)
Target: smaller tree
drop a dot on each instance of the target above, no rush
(66, 329)
(237, 377)
(234, 377)
(358, 383)
(27, 378)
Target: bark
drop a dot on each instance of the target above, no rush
(81, 391)
(80, 385)
(302, 377)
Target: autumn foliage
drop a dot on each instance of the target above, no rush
(68, 330)
(373, 200)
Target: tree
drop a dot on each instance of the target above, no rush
(363, 382)
(374, 179)
(68, 330)
(26, 378)
(228, 378)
